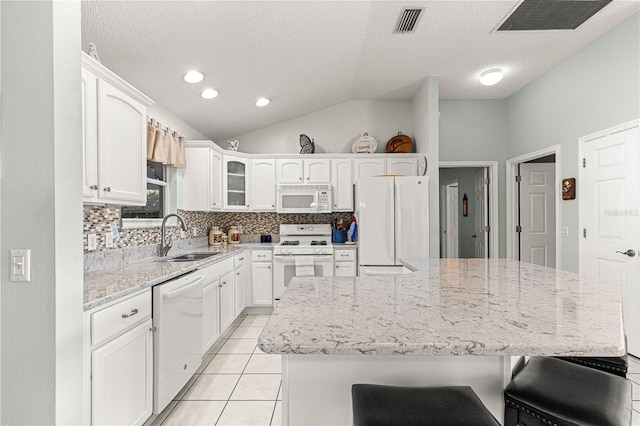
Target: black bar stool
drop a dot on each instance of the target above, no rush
(379, 405)
(549, 391)
(614, 365)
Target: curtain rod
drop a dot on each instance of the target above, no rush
(155, 123)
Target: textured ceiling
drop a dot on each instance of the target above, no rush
(308, 55)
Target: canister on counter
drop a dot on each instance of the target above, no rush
(233, 236)
(215, 236)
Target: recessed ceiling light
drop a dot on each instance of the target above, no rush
(193, 77)
(209, 93)
(262, 102)
(491, 77)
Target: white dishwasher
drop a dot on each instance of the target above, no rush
(177, 343)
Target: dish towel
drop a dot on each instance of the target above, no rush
(304, 266)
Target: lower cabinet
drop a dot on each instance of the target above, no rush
(240, 282)
(227, 307)
(345, 262)
(119, 338)
(261, 278)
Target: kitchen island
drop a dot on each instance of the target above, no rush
(451, 321)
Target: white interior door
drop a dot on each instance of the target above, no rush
(538, 213)
(611, 221)
(481, 209)
(451, 221)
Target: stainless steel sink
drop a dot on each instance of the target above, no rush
(187, 257)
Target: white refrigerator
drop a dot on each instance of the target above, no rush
(393, 222)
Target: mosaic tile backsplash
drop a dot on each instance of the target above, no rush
(141, 243)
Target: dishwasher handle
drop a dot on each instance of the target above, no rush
(183, 289)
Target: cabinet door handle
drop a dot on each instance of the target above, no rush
(107, 189)
(132, 313)
(237, 273)
(93, 187)
(241, 259)
(220, 285)
(268, 267)
(273, 206)
(307, 177)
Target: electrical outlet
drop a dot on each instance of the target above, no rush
(108, 240)
(183, 234)
(194, 231)
(239, 227)
(92, 242)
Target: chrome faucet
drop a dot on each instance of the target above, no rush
(165, 242)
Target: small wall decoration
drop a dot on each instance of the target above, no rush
(465, 205)
(569, 189)
(232, 145)
(307, 145)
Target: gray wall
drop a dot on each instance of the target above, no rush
(466, 225)
(596, 88)
(41, 201)
(473, 130)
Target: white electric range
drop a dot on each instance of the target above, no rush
(304, 250)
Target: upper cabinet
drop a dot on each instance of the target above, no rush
(263, 183)
(342, 183)
(114, 117)
(303, 170)
(202, 179)
(368, 167)
(402, 166)
(236, 178)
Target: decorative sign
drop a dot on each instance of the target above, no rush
(569, 189)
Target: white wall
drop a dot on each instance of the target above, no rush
(333, 129)
(596, 88)
(41, 202)
(475, 130)
(167, 118)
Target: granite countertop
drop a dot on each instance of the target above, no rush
(104, 286)
(449, 307)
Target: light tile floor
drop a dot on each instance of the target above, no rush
(236, 384)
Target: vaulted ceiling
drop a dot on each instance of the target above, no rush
(308, 55)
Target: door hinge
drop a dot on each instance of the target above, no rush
(487, 228)
(518, 178)
(518, 228)
(584, 233)
(486, 181)
(584, 162)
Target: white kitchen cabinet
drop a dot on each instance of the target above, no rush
(210, 315)
(402, 166)
(368, 167)
(345, 262)
(240, 282)
(122, 378)
(342, 182)
(114, 118)
(227, 304)
(303, 170)
(236, 178)
(317, 170)
(263, 185)
(119, 361)
(201, 180)
(261, 278)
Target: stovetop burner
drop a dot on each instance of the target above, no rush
(318, 243)
(290, 243)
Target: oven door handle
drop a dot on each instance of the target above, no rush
(289, 256)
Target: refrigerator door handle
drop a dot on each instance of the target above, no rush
(398, 225)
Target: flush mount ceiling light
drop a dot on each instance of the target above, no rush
(193, 77)
(491, 77)
(209, 93)
(262, 102)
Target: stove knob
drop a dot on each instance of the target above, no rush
(288, 251)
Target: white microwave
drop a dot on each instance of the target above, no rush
(304, 199)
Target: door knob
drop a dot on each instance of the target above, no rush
(629, 252)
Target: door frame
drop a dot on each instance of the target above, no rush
(582, 140)
(493, 243)
(513, 206)
(444, 212)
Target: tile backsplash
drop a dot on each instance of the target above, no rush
(140, 243)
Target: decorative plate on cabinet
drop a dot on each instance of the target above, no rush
(422, 165)
(364, 144)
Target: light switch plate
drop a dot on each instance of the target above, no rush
(92, 242)
(20, 265)
(565, 231)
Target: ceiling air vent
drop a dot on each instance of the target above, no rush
(407, 21)
(540, 15)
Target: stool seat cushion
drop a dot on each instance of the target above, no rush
(377, 405)
(561, 393)
(615, 365)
